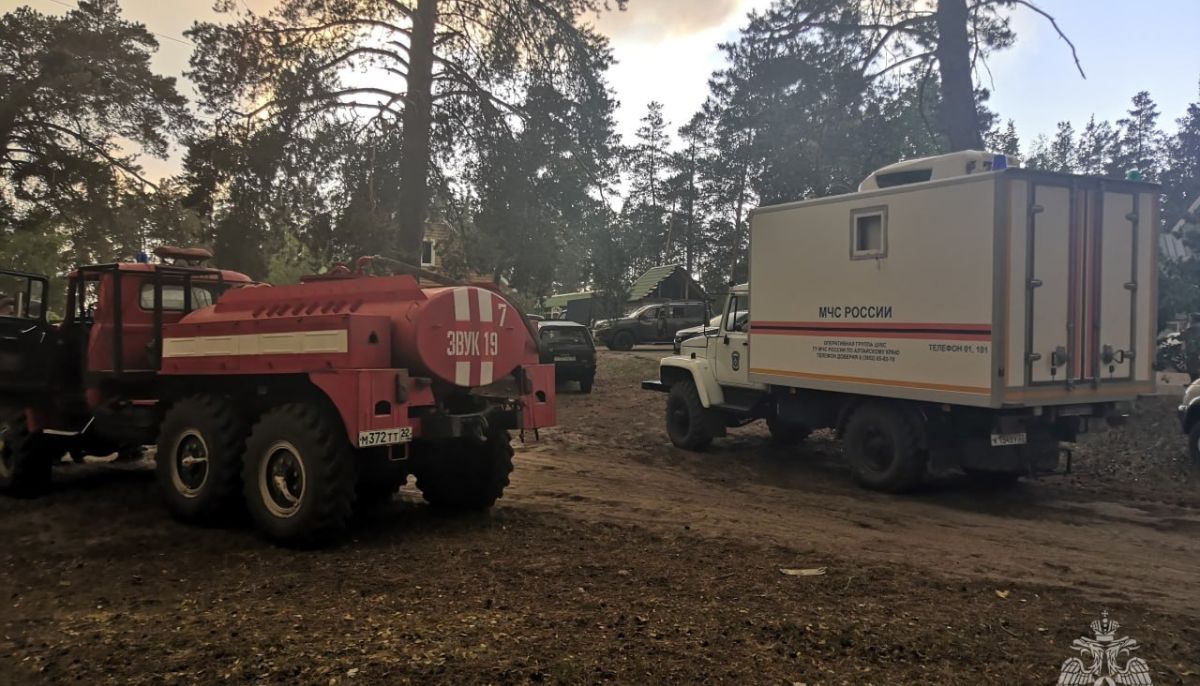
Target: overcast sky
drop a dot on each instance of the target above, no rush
(666, 50)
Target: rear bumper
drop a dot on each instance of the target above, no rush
(655, 385)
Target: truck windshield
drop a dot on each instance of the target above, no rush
(172, 297)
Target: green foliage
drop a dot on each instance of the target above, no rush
(74, 91)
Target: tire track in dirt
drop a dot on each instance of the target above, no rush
(610, 462)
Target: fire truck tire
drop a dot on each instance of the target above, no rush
(199, 459)
(689, 424)
(25, 459)
(623, 341)
(883, 450)
(462, 474)
(786, 434)
(299, 476)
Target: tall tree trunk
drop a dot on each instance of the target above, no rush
(691, 208)
(416, 149)
(960, 119)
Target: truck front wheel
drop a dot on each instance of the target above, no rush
(1194, 444)
(688, 424)
(462, 473)
(25, 458)
(883, 450)
(199, 458)
(299, 476)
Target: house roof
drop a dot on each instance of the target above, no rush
(561, 299)
(646, 283)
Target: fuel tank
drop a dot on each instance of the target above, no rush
(468, 336)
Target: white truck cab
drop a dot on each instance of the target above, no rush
(956, 312)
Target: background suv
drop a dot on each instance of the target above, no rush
(655, 323)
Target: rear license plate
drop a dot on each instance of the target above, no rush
(369, 439)
(564, 358)
(1008, 439)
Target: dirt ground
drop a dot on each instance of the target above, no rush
(616, 558)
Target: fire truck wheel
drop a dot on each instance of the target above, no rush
(463, 474)
(786, 434)
(25, 459)
(689, 425)
(199, 458)
(882, 448)
(299, 476)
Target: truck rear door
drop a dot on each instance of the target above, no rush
(1081, 278)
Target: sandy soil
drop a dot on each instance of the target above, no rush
(616, 558)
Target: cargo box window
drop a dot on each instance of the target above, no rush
(869, 234)
(903, 178)
(172, 297)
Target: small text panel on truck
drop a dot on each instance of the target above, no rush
(954, 313)
(299, 401)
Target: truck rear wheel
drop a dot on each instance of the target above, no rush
(786, 434)
(462, 474)
(298, 477)
(689, 424)
(25, 458)
(882, 448)
(199, 458)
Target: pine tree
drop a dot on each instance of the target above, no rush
(648, 163)
(1140, 141)
(1096, 148)
(1063, 155)
(1181, 178)
(1006, 141)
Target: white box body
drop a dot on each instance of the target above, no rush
(998, 289)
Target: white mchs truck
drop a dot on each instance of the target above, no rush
(954, 313)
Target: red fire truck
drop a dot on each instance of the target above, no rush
(297, 401)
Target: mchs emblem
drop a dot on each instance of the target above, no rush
(736, 361)
(1102, 659)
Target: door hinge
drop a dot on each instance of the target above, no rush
(1035, 283)
(1131, 286)
(1036, 209)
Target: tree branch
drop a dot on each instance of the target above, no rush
(116, 162)
(350, 54)
(1051, 19)
(319, 96)
(899, 64)
(317, 28)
